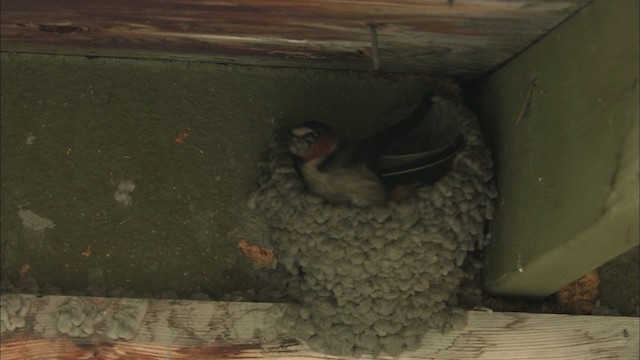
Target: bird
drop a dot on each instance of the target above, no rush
(368, 172)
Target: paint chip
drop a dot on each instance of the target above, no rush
(33, 221)
(124, 189)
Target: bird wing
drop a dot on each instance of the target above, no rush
(399, 131)
(392, 163)
(345, 156)
(424, 167)
(378, 155)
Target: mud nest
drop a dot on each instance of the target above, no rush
(376, 279)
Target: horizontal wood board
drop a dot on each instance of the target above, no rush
(461, 38)
(180, 329)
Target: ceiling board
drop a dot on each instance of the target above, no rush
(459, 38)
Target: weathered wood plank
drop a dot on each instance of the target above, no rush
(171, 329)
(563, 118)
(467, 38)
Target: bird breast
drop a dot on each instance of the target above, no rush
(356, 185)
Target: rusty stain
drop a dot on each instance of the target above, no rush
(87, 252)
(262, 257)
(581, 294)
(24, 270)
(32, 346)
(181, 137)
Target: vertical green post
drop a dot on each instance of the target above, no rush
(563, 120)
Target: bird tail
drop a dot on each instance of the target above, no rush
(405, 126)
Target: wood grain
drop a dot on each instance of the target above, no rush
(172, 329)
(469, 38)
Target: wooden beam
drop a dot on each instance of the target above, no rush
(461, 38)
(65, 327)
(563, 120)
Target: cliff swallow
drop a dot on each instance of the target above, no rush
(366, 172)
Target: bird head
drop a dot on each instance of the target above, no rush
(312, 140)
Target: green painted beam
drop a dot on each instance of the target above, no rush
(563, 121)
(96, 192)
